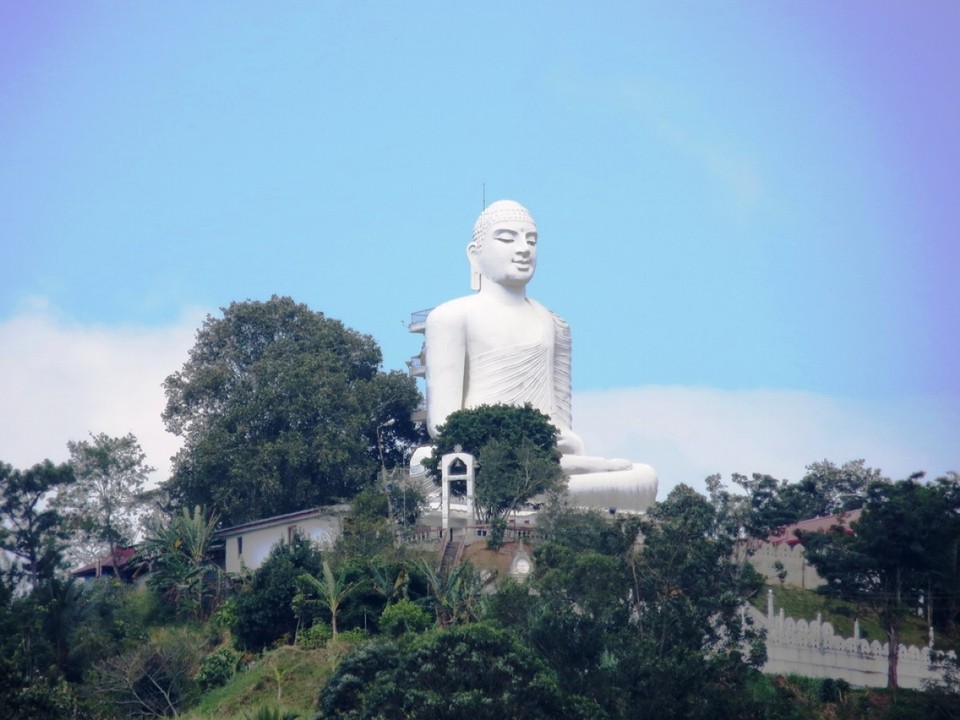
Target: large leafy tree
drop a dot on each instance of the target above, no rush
(103, 506)
(642, 615)
(825, 489)
(517, 452)
(904, 544)
(279, 408)
(477, 671)
(32, 531)
(264, 610)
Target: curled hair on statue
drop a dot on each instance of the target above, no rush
(500, 211)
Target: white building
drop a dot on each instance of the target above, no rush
(247, 546)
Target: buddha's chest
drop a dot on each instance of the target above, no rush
(496, 328)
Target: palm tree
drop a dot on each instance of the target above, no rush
(332, 590)
(180, 553)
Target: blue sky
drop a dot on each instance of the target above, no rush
(748, 211)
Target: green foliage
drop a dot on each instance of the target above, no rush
(154, 679)
(278, 407)
(287, 677)
(826, 489)
(476, 671)
(180, 553)
(315, 636)
(455, 594)
(516, 448)
(404, 616)
(218, 667)
(904, 545)
(31, 530)
(331, 589)
(370, 504)
(647, 628)
(263, 610)
(473, 428)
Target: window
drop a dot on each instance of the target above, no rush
(239, 545)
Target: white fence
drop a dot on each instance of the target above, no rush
(811, 649)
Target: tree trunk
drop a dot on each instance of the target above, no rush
(893, 654)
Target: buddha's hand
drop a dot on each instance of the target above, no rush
(569, 443)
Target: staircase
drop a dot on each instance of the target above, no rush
(448, 557)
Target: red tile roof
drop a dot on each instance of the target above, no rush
(789, 533)
(123, 557)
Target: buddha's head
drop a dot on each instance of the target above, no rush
(504, 245)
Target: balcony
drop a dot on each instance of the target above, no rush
(418, 321)
(416, 367)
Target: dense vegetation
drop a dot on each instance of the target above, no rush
(279, 408)
(621, 617)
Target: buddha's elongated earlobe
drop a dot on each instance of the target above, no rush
(473, 249)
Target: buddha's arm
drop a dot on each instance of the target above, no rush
(446, 352)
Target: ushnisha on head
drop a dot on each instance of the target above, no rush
(503, 247)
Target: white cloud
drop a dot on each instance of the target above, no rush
(689, 433)
(61, 381)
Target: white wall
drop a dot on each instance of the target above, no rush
(811, 649)
(324, 528)
(799, 572)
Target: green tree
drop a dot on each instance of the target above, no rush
(404, 616)
(477, 671)
(332, 589)
(825, 489)
(264, 610)
(279, 407)
(641, 615)
(102, 507)
(694, 654)
(454, 594)
(183, 569)
(30, 529)
(905, 540)
(516, 448)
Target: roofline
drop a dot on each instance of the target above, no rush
(280, 519)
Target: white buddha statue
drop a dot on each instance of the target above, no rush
(499, 346)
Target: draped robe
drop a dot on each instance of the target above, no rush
(537, 373)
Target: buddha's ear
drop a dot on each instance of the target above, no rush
(473, 249)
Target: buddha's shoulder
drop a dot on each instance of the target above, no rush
(453, 312)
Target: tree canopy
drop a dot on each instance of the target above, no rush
(516, 448)
(279, 407)
(103, 506)
(478, 671)
(30, 530)
(641, 615)
(903, 547)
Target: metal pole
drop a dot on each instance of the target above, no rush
(383, 464)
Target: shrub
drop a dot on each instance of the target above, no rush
(217, 668)
(263, 612)
(404, 616)
(315, 636)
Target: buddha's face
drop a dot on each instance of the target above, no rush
(508, 254)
